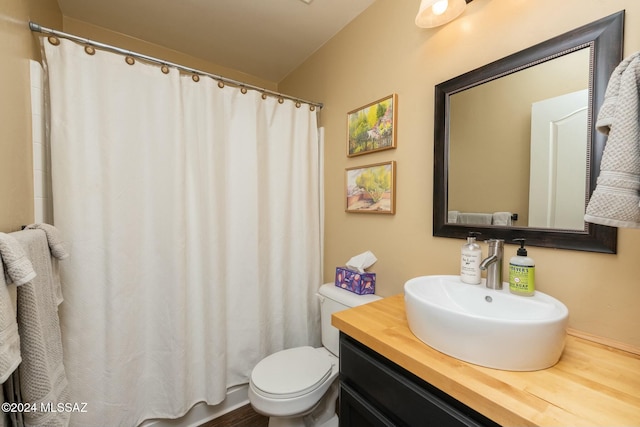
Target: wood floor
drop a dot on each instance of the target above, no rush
(241, 417)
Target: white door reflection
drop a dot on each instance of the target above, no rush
(558, 175)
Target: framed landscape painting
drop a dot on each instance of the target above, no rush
(372, 127)
(371, 188)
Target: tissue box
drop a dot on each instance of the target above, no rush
(354, 281)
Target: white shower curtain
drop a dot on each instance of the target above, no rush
(192, 215)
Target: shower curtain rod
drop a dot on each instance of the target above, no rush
(40, 29)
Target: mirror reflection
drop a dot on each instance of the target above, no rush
(518, 147)
(516, 154)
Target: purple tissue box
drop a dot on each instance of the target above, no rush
(354, 281)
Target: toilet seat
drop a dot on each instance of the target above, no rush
(291, 373)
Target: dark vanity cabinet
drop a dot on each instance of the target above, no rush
(377, 392)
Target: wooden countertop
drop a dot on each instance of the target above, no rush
(591, 385)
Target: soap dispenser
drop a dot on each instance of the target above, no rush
(522, 272)
(471, 256)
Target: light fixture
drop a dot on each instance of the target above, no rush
(433, 13)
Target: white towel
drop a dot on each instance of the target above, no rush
(17, 266)
(19, 270)
(502, 218)
(475, 218)
(54, 240)
(58, 250)
(9, 338)
(42, 374)
(616, 200)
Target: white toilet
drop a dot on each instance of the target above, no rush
(298, 387)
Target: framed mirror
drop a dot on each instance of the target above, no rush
(516, 150)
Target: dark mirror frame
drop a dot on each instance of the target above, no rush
(605, 39)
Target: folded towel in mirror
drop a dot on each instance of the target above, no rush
(475, 218)
(502, 218)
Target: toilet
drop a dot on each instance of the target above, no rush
(298, 386)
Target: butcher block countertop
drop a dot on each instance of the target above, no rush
(591, 385)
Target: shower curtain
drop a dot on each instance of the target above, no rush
(192, 215)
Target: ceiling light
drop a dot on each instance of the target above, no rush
(439, 7)
(433, 13)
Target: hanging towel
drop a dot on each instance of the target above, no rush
(54, 239)
(56, 245)
(42, 374)
(9, 338)
(616, 200)
(11, 394)
(18, 268)
(502, 218)
(475, 218)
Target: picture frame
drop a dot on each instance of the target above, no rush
(373, 127)
(371, 188)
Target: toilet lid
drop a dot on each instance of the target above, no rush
(292, 372)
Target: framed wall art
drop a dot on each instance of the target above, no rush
(371, 188)
(372, 127)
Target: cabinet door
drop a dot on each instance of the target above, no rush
(357, 412)
(398, 395)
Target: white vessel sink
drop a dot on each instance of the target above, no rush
(487, 327)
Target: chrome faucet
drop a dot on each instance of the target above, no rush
(493, 264)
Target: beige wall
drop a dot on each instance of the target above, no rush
(17, 47)
(383, 52)
(103, 35)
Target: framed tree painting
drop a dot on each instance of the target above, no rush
(371, 188)
(372, 127)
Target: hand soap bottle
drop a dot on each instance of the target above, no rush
(470, 261)
(522, 272)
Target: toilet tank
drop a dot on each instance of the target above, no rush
(333, 299)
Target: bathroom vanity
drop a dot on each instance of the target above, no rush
(375, 391)
(389, 377)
